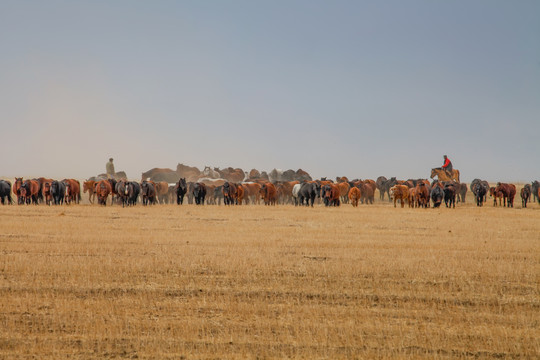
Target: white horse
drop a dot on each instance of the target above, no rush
(210, 173)
(295, 191)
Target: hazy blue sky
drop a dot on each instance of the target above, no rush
(355, 88)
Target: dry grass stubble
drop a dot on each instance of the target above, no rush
(268, 282)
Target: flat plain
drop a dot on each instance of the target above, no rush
(169, 282)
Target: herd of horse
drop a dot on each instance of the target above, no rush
(234, 187)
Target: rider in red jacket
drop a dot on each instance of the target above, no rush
(447, 166)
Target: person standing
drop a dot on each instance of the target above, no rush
(109, 167)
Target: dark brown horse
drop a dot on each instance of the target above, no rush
(508, 191)
(17, 190)
(30, 191)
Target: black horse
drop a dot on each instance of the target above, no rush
(133, 190)
(480, 190)
(308, 192)
(181, 190)
(437, 196)
(535, 185)
(58, 192)
(199, 193)
(5, 191)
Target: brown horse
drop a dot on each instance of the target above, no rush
(30, 191)
(354, 196)
(442, 176)
(88, 186)
(46, 192)
(162, 190)
(399, 192)
(102, 189)
(268, 194)
(251, 190)
(508, 191)
(17, 190)
(73, 191)
(233, 175)
(343, 190)
(190, 173)
(240, 193)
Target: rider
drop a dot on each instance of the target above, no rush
(110, 169)
(447, 166)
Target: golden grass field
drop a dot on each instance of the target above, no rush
(172, 282)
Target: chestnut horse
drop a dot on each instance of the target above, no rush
(30, 191)
(73, 191)
(88, 186)
(354, 196)
(442, 176)
(17, 190)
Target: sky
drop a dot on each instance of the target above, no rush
(337, 88)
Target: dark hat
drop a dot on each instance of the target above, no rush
(111, 159)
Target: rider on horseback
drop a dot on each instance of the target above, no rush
(447, 166)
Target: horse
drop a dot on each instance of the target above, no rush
(73, 190)
(343, 187)
(88, 186)
(103, 188)
(479, 189)
(484, 184)
(181, 190)
(239, 194)
(422, 194)
(160, 174)
(251, 190)
(437, 195)
(443, 176)
(41, 181)
(162, 191)
(354, 196)
(508, 191)
(535, 189)
(148, 191)
(190, 173)
(17, 190)
(46, 192)
(122, 191)
(401, 193)
(525, 195)
(5, 192)
(58, 192)
(132, 190)
(30, 191)
(496, 195)
(229, 193)
(199, 193)
(210, 173)
(302, 175)
(268, 194)
(308, 192)
(330, 195)
(232, 175)
(450, 192)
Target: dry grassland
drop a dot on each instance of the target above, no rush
(269, 282)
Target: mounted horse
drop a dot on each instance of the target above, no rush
(443, 176)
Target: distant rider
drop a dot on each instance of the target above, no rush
(110, 169)
(447, 166)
